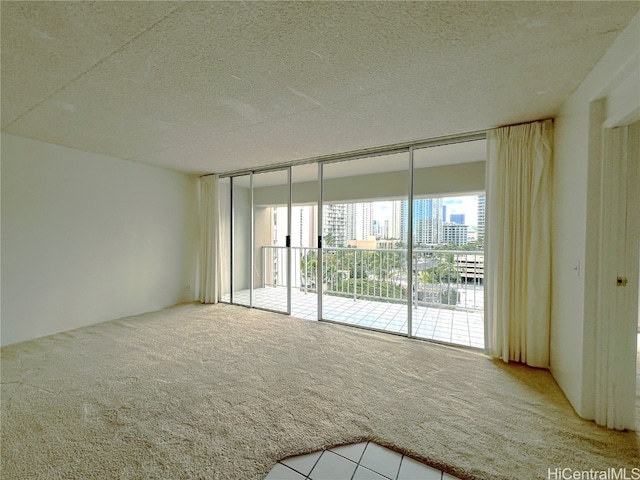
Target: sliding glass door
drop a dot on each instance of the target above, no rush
(224, 259)
(364, 236)
(271, 240)
(448, 243)
(241, 232)
(304, 241)
(390, 242)
(256, 211)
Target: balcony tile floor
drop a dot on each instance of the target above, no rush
(360, 461)
(463, 327)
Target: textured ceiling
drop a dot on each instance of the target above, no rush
(207, 87)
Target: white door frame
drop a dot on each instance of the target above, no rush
(617, 283)
(604, 398)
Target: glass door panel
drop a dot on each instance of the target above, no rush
(271, 230)
(448, 256)
(364, 256)
(304, 241)
(224, 255)
(241, 256)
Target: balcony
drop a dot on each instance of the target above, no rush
(369, 288)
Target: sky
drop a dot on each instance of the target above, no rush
(467, 205)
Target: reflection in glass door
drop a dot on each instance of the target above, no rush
(271, 219)
(364, 252)
(224, 192)
(241, 251)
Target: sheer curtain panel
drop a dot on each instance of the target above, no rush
(518, 243)
(209, 215)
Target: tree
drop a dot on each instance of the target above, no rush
(329, 241)
(308, 267)
(426, 276)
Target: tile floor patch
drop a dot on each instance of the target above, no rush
(381, 460)
(363, 473)
(358, 461)
(282, 472)
(302, 463)
(332, 466)
(353, 452)
(411, 470)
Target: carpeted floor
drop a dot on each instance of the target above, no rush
(224, 392)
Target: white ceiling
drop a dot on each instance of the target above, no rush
(206, 87)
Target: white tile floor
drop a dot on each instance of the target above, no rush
(360, 461)
(457, 327)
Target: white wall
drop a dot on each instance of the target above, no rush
(88, 238)
(606, 94)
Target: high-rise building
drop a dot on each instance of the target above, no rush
(481, 201)
(359, 221)
(395, 224)
(334, 224)
(304, 226)
(427, 221)
(457, 218)
(454, 233)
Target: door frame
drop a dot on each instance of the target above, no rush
(616, 302)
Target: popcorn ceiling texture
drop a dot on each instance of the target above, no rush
(224, 392)
(207, 87)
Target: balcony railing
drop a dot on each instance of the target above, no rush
(441, 278)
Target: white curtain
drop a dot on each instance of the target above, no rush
(209, 241)
(518, 243)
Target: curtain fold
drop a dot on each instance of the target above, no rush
(518, 243)
(209, 239)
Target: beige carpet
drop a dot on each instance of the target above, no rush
(224, 392)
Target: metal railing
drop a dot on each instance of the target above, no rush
(441, 278)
